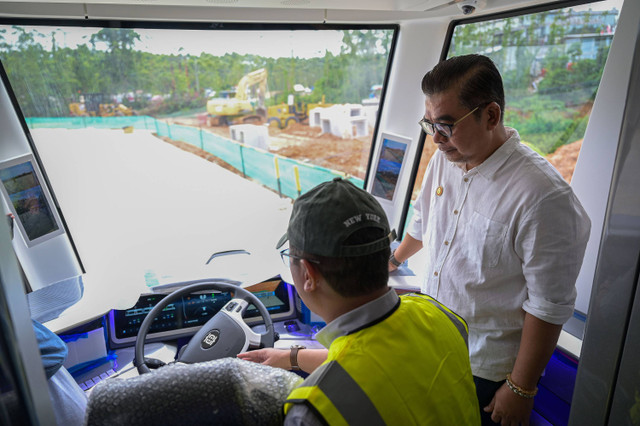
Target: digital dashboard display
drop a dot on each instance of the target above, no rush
(183, 317)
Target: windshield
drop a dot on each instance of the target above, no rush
(165, 146)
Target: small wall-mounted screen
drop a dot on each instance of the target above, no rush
(29, 202)
(388, 168)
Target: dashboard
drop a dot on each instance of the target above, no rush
(184, 317)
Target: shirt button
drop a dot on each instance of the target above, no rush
(446, 243)
(466, 179)
(455, 212)
(435, 273)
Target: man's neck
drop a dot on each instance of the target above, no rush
(499, 137)
(341, 305)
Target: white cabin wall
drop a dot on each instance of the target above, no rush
(594, 169)
(417, 51)
(50, 261)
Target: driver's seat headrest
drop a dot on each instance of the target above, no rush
(227, 391)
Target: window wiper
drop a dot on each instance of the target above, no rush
(226, 253)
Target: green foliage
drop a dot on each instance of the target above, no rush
(545, 123)
(47, 81)
(550, 81)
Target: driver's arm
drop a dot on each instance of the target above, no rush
(308, 359)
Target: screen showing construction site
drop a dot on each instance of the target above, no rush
(388, 168)
(27, 199)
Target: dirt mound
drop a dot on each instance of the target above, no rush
(565, 158)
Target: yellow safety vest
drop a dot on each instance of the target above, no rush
(410, 368)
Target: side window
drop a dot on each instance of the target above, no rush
(551, 63)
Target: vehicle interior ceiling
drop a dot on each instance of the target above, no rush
(258, 11)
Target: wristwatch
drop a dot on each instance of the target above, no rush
(293, 357)
(392, 260)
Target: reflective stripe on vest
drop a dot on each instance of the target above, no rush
(460, 324)
(339, 390)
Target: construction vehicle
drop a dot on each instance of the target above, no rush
(223, 111)
(295, 110)
(94, 105)
(283, 114)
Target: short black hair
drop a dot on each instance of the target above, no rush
(477, 76)
(354, 275)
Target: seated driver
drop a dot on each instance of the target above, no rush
(390, 359)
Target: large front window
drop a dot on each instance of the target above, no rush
(164, 146)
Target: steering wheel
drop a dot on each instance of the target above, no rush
(224, 335)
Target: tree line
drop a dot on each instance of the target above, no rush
(550, 83)
(46, 80)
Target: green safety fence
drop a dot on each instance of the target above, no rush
(281, 174)
(138, 122)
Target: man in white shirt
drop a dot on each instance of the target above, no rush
(504, 236)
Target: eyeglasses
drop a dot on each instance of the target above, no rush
(286, 257)
(445, 130)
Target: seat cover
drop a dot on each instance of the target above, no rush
(227, 391)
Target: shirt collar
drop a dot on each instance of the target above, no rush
(491, 165)
(358, 318)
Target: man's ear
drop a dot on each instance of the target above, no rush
(494, 113)
(311, 275)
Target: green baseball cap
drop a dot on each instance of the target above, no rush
(324, 217)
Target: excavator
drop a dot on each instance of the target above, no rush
(227, 110)
(237, 106)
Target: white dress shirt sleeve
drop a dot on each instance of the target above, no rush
(551, 244)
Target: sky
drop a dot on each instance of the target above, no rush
(274, 44)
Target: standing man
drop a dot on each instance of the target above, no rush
(391, 360)
(504, 236)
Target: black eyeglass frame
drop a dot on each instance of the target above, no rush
(285, 253)
(446, 130)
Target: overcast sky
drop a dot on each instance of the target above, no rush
(275, 44)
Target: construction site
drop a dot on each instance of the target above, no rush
(298, 141)
(301, 142)
(332, 136)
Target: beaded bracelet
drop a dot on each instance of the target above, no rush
(520, 391)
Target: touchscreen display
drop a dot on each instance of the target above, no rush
(28, 200)
(388, 169)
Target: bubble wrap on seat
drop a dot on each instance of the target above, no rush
(227, 391)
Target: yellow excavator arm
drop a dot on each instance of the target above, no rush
(242, 106)
(251, 79)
